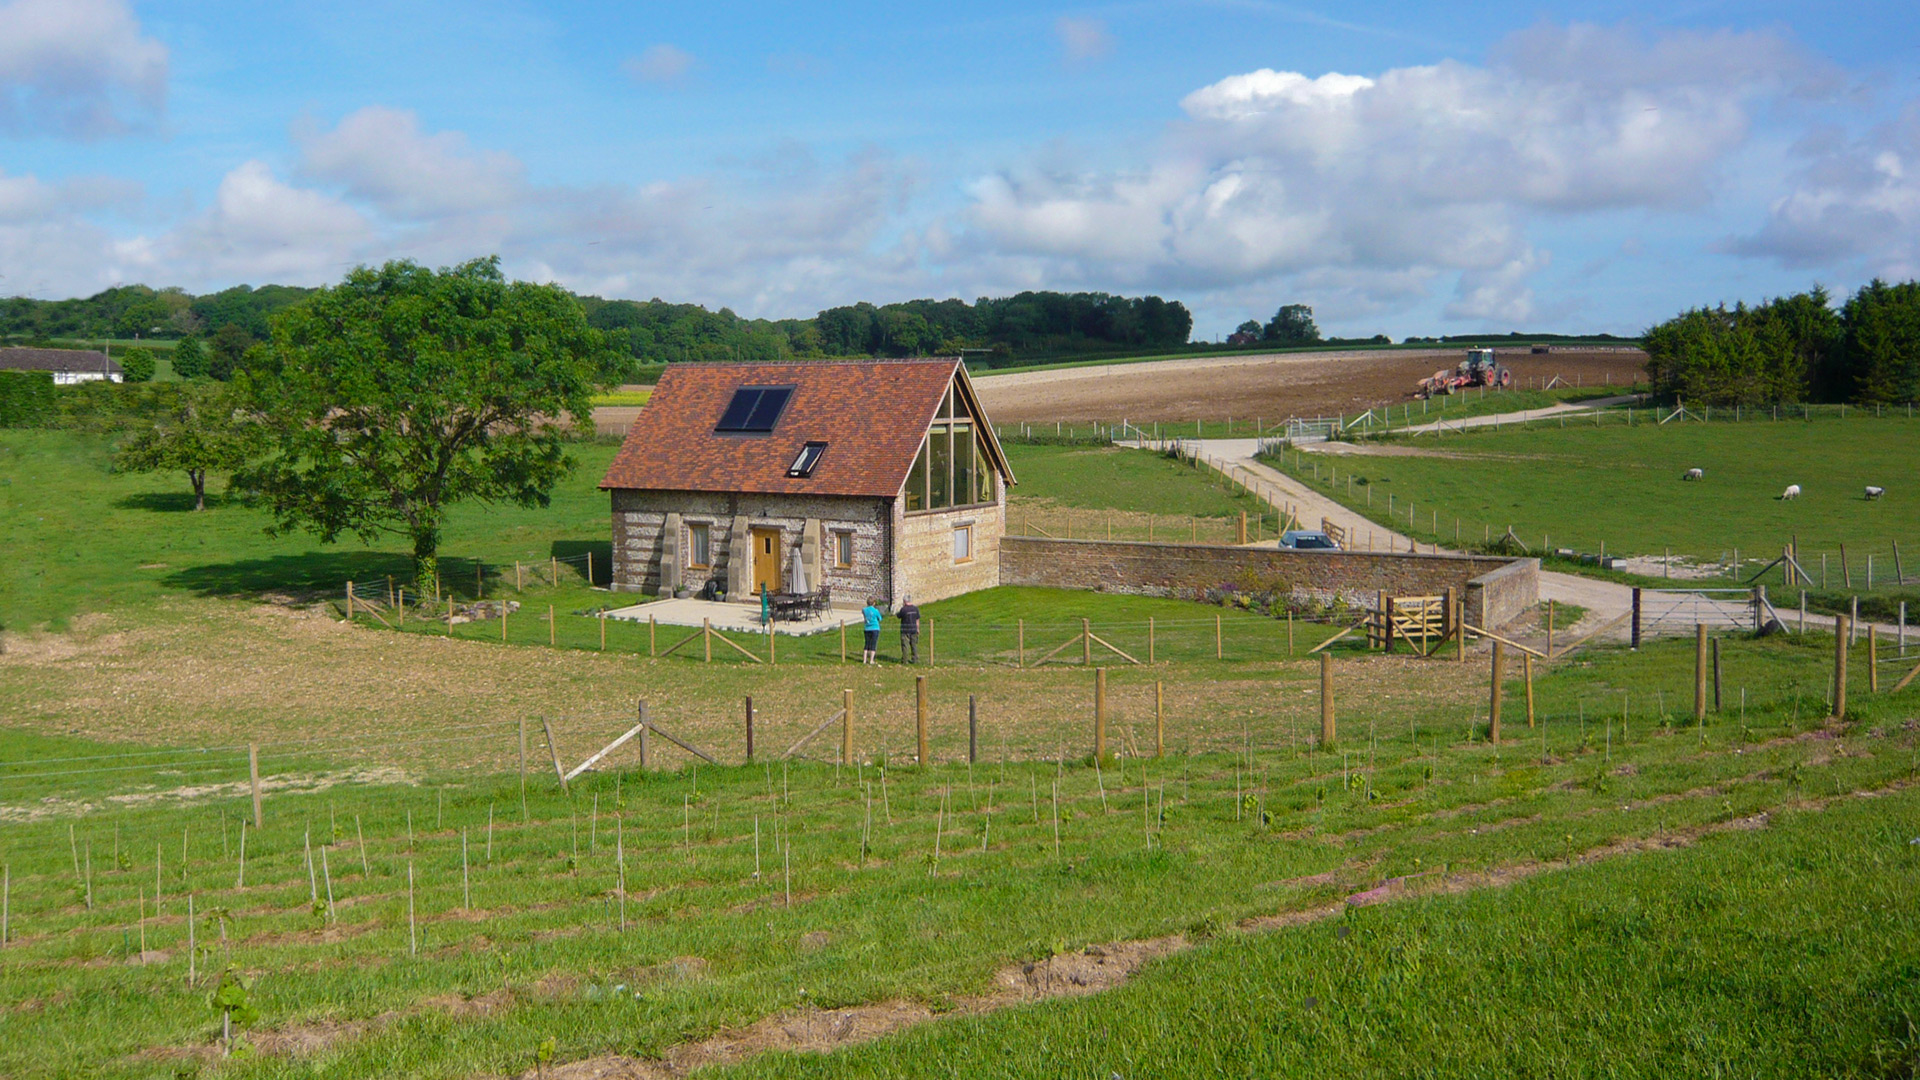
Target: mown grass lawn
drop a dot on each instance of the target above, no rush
(83, 537)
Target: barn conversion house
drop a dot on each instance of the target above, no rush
(870, 479)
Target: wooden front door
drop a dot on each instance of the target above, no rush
(766, 560)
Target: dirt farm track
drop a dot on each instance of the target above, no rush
(1272, 385)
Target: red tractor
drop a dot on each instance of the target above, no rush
(1478, 369)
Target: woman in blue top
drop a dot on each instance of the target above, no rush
(872, 614)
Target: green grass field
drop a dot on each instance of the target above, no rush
(605, 921)
(1610, 890)
(623, 397)
(86, 538)
(1579, 487)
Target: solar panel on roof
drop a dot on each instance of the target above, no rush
(754, 409)
(741, 407)
(773, 401)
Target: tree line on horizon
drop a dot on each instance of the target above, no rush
(211, 333)
(1792, 349)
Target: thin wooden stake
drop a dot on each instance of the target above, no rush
(413, 930)
(253, 779)
(1159, 719)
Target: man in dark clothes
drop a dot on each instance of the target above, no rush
(909, 632)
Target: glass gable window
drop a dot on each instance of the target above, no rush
(953, 467)
(940, 467)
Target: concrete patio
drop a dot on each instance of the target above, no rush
(742, 618)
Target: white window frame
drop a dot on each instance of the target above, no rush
(962, 538)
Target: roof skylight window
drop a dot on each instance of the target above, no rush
(802, 466)
(754, 410)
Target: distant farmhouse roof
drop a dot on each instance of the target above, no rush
(64, 361)
(728, 427)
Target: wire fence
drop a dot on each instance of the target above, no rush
(988, 719)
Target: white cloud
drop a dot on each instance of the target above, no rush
(1082, 40)
(261, 228)
(1855, 202)
(381, 155)
(1409, 174)
(660, 63)
(78, 68)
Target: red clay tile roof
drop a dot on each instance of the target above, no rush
(870, 413)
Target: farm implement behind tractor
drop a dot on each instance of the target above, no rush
(1478, 369)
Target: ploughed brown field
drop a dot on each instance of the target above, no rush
(1270, 386)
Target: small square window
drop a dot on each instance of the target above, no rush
(963, 544)
(699, 545)
(843, 550)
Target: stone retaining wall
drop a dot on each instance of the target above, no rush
(1497, 589)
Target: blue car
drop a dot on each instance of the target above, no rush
(1307, 540)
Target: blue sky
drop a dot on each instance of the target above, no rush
(1404, 168)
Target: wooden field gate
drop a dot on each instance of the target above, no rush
(1421, 622)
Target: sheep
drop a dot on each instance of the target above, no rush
(1694, 474)
(1874, 492)
(1792, 492)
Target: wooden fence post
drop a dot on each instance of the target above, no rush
(1100, 714)
(1326, 700)
(1493, 693)
(652, 625)
(553, 633)
(1150, 639)
(1840, 632)
(1086, 642)
(1873, 659)
(349, 601)
(1020, 656)
(1460, 630)
(646, 746)
(749, 727)
(1219, 649)
(1549, 629)
(523, 770)
(973, 730)
(253, 779)
(706, 638)
(1699, 673)
(846, 727)
(920, 718)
